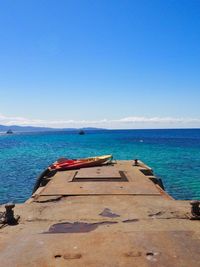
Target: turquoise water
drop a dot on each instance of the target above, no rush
(173, 154)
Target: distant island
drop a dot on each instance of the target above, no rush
(16, 128)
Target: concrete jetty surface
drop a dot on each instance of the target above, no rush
(114, 215)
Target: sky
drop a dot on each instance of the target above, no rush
(100, 63)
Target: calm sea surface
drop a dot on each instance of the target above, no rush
(173, 154)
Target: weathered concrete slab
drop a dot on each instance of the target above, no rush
(105, 248)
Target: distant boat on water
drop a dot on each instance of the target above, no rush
(9, 131)
(81, 132)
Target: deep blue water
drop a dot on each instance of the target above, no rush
(173, 154)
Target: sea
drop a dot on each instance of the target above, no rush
(174, 155)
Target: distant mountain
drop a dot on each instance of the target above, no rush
(16, 128)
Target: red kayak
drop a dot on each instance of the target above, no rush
(69, 164)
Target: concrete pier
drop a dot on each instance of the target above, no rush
(112, 215)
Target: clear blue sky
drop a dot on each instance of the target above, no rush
(130, 63)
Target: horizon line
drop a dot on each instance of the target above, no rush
(95, 128)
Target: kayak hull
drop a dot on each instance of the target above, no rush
(70, 164)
